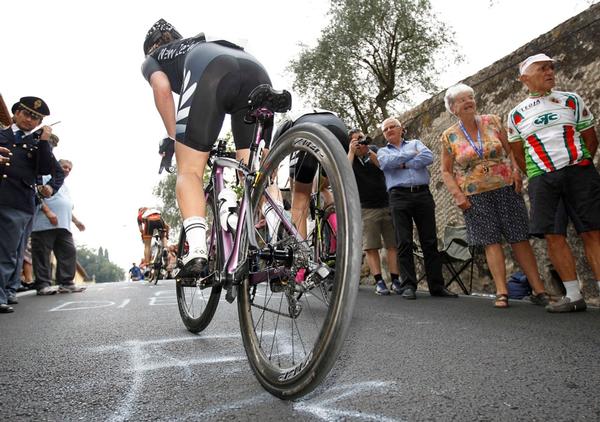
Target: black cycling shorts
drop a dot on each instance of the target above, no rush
(150, 226)
(302, 166)
(217, 81)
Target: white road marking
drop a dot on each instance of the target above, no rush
(125, 302)
(135, 351)
(158, 301)
(323, 409)
(86, 304)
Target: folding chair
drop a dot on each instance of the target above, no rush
(457, 256)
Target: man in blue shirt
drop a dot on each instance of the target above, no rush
(404, 164)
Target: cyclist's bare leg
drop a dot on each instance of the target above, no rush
(192, 204)
(190, 187)
(147, 251)
(300, 205)
(242, 154)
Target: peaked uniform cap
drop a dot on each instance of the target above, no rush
(34, 105)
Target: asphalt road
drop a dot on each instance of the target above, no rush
(120, 352)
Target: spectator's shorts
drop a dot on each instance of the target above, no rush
(496, 215)
(569, 193)
(377, 224)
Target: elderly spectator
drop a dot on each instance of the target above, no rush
(375, 210)
(23, 155)
(486, 186)
(404, 164)
(52, 233)
(552, 136)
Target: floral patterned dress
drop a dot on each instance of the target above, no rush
(475, 174)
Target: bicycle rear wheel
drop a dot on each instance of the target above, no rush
(292, 331)
(156, 263)
(198, 299)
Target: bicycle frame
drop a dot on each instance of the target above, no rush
(232, 269)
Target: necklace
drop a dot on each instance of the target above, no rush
(477, 148)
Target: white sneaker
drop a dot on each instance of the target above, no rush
(70, 288)
(46, 291)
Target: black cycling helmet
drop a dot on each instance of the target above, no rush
(158, 30)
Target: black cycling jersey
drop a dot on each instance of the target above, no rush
(303, 167)
(212, 79)
(170, 58)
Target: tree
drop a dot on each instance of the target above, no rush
(165, 191)
(372, 58)
(98, 266)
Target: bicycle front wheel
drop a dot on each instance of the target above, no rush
(292, 330)
(198, 298)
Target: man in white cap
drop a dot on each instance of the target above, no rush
(554, 141)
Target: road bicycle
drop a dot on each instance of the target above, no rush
(159, 258)
(295, 296)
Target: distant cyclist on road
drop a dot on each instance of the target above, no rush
(150, 219)
(212, 78)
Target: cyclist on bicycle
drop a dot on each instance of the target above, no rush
(150, 219)
(212, 78)
(303, 168)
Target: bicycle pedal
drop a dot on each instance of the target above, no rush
(323, 271)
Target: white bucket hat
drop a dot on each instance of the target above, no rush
(533, 59)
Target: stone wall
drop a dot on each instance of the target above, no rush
(576, 47)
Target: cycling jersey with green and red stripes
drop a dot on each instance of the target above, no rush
(550, 128)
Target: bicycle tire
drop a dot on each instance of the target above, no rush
(156, 264)
(192, 296)
(285, 376)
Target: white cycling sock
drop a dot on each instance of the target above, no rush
(272, 218)
(598, 284)
(195, 233)
(573, 291)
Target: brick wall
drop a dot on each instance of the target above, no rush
(576, 46)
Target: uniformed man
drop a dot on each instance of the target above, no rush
(25, 154)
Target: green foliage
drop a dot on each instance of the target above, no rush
(98, 266)
(372, 58)
(165, 191)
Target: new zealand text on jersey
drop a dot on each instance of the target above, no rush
(176, 50)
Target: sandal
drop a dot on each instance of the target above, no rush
(501, 301)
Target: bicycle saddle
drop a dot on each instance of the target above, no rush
(265, 96)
